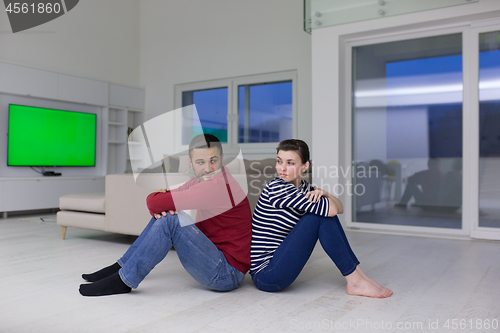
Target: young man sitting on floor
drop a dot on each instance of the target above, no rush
(215, 250)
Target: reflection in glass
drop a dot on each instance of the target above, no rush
(211, 105)
(407, 132)
(489, 129)
(265, 112)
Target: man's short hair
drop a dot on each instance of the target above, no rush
(204, 141)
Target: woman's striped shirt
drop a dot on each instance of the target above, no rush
(279, 208)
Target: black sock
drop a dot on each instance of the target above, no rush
(105, 272)
(110, 285)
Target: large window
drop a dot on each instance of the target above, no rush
(251, 110)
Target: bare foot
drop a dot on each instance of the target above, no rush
(357, 285)
(386, 291)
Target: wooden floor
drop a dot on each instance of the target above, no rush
(434, 280)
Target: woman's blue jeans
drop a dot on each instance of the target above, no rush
(199, 256)
(293, 253)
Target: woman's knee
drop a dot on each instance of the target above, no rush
(268, 280)
(269, 286)
(310, 218)
(335, 218)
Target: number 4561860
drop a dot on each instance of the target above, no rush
(474, 324)
(40, 8)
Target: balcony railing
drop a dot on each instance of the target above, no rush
(325, 13)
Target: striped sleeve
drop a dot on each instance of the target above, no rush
(285, 195)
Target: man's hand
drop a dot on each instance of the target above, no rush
(158, 216)
(211, 174)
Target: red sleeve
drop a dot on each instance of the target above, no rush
(158, 202)
(210, 194)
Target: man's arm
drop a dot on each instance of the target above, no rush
(159, 202)
(210, 194)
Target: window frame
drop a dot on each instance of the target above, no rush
(477, 231)
(232, 113)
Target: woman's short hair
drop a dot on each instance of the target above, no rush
(296, 145)
(204, 141)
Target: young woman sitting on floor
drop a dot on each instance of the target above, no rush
(291, 215)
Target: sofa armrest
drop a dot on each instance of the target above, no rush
(126, 210)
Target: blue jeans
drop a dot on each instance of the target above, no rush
(293, 253)
(199, 256)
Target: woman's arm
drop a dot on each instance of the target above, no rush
(335, 205)
(284, 195)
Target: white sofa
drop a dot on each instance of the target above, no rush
(121, 209)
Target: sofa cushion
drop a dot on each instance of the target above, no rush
(85, 202)
(171, 163)
(185, 165)
(66, 218)
(235, 165)
(266, 166)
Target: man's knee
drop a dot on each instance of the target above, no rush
(170, 217)
(167, 222)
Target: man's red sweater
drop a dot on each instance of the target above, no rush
(223, 213)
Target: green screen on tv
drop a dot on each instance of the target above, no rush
(48, 137)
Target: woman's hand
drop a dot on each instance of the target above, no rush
(315, 195)
(336, 206)
(158, 216)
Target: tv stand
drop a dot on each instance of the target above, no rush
(28, 193)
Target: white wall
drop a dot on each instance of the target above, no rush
(198, 40)
(97, 39)
(329, 90)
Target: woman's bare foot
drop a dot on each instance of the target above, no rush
(386, 291)
(357, 285)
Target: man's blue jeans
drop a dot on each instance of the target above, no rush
(199, 256)
(293, 253)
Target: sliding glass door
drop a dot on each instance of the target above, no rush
(407, 132)
(425, 132)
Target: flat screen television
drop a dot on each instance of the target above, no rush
(49, 137)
